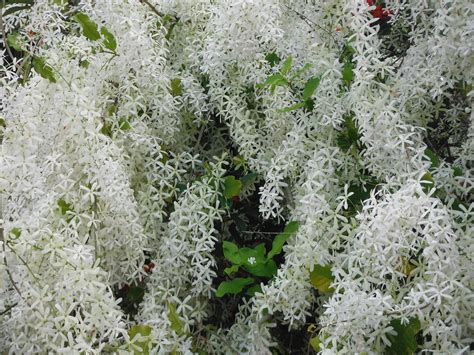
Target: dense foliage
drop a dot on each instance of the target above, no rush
(237, 176)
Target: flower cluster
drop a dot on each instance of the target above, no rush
(137, 137)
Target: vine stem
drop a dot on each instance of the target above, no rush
(4, 34)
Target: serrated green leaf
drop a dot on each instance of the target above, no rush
(286, 66)
(293, 107)
(89, 27)
(176, 323)
(277, 244)
(109, 41)
(176, 87)
(43, 69)
(14, 41)
(405, 340)
(310, 86)
(232, 186)
(321, 278)
(234, 286)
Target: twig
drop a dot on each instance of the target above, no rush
(312, 23)
(6, 310)
(146, 2)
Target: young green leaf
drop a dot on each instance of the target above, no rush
(301, 71)
(175, 320)
(89, 27)
(64, 207)
(277, 245)
(264, 268)
(144, 331)
(232, 269)
(109, 41)
(232, 186)
(274, 80)
(124, 125)
(234, 286)
(176, 88)
(231, 252)
(347, 73)
(321, 278)
(43, 69)
(292, 108)
(286, 66)
(432, 157)
(272, 58)
(310, 86)
(16, 232)
(14, 41)
(254, 289)
(405, 340)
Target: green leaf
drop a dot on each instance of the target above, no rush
(315, 343)
(349, 135)
(176, 87)
(232, 186)
(277, 245)
(254, 289)
(292, 108)
(231, 252)
(89, 27)
(457, 171)
(109, 41)
(301, 71)
(234, 286)
(232, 269)
(321, 278)
(405, 340)
(272, 58)
(266, 268)
(43, 69)
(64, 207)
(14, 41)
(248, 179)
(135, 294)
(274, 80)
(144, 331)
(310, 86)
(286, 66)
(432, 157)
(176, 322)
(124, 125)
(16, 232)
(347, 73)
